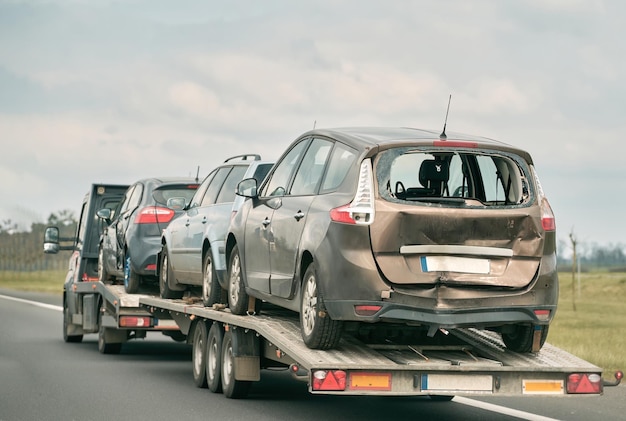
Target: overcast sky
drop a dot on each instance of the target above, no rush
(115, 91)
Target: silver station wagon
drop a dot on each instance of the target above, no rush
(369, 229)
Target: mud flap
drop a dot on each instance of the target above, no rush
(246, 353)
(537, 333)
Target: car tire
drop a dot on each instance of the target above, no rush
(214, 358)
(165, 276)
(132, 279)
(231, 387)
(211, 289)
(198, 355)
(238, 298)
(66, 324)
(105, 347)
(319, 331)
(103, 275)
(521, 338)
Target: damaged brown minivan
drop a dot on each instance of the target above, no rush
(399, 227)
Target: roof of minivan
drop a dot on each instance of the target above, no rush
(361, 137)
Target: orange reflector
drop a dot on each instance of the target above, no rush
(366, 310)
(584, 383)
(329, 380)
(132, 321)
(370, 381)
(542, 387)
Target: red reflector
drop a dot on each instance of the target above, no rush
(87, 278)
(133, 321)
(455, 144)
(542, 314)
(153, 215)
(329, 380)
(151, 266)
(366, 310)
(584, 383)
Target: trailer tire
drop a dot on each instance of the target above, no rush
(132, 279)
(198, 355)
(211, 289)
(214, 358)
(238, 299)
(103, 346)
(165, 275)
(521, 339)
(232, 388)
(319, 331)
(66, 325)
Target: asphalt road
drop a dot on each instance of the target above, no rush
(43, 378)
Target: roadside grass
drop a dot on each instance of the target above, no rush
(50, 281)
(595, 331)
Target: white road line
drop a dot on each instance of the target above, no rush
(501, 409)
(34, 303)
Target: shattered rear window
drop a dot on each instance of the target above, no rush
(473, 178)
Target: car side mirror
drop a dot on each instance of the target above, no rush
(247, 188)
(104, 214)
(51, 240)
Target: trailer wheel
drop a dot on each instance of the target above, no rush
(319, 331)
(103, 346)
(198, 355)
(103, 275)
(165, 275)
(66, 325)
(238, 299)
(213, 358)
(131, 278)
(211, 289)
(232, 388)
(521, 338)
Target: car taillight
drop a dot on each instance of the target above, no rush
(154, 215)
(584, 383)
(361, 210)
(329, 380)
(547, 216)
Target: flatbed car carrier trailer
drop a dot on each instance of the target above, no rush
(229, 352)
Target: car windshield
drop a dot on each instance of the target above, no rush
(483, 178)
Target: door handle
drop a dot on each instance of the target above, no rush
(299, 215)
(204, 220)
(266, 222)
(187, 223)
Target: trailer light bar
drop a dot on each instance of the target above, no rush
(329, 380)
(134, 321)
(367, 310)
(580, 383)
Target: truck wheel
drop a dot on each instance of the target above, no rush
(213, 358)
(66, 325)
(198, 355)
(238, 299)
(103, 275)
(211, 289)
(165, 275)
(521, 338)
(131, 278)
(319, 331)
(232, 388)
(103, 346)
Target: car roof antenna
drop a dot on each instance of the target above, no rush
(198, 174)
(443, 135)
(314, 124)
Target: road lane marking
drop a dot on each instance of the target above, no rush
(501, 409)
(34, 303)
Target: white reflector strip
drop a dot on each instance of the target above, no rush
(457, 383)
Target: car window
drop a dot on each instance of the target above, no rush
(277, 183)
(135, 198)
(162, 194)
(126, 201)
(215, 185)
(227, 192)
(341, 160)
(261, 172)
(196, 200)
(490, 178)
(311, 168)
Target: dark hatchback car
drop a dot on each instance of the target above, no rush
(193, 244)
(358, 226)
(130, 242)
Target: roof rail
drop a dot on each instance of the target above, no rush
(244, 157)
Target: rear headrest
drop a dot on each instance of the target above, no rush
(433, 171)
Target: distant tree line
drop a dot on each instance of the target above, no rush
(23, 250)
